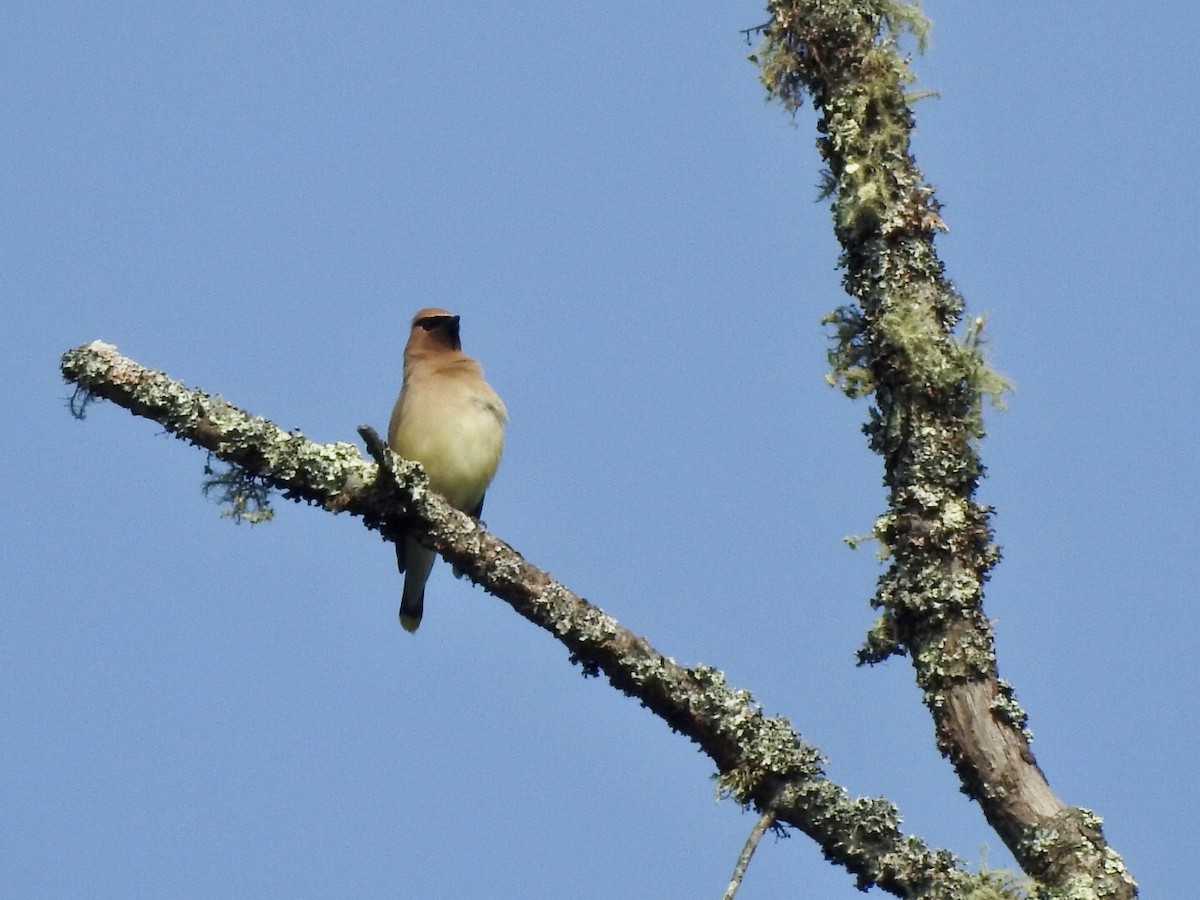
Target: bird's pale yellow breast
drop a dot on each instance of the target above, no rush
(450, 420)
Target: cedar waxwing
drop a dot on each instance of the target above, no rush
(449, 420)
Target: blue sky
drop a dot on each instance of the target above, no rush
(255, 198)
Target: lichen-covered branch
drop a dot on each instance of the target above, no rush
(762, 761)
(897, 343)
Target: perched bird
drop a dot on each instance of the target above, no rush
(451, 421)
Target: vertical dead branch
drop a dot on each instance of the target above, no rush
(897, 344)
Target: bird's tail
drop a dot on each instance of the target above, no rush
(412, 607)
(415, 562)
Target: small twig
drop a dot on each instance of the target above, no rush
(765, 821)
(748, 33)
(374, 444)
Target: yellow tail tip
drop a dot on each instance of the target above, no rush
(409, 623)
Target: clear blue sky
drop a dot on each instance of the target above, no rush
(256, 197)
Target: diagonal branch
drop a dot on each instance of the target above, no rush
(762, 762)
(898, 345)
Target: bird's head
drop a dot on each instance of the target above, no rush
(433, 330)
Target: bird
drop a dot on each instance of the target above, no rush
(448, 419)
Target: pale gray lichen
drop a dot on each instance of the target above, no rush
(1007, 709)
